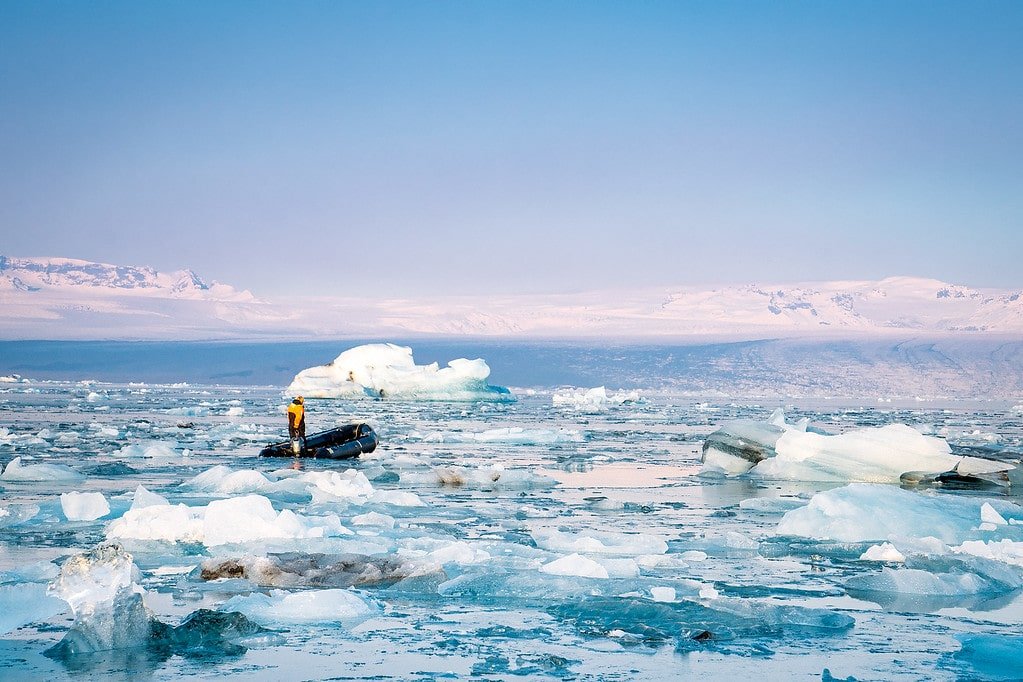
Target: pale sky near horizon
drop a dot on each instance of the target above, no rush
(403, 148)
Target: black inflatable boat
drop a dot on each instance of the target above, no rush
(343, 442)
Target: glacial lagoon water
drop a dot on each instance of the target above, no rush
(492, 518)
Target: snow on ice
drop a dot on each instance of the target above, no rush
(385, 370)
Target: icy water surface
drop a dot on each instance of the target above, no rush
(487, 540)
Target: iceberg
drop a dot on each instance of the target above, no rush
(386, 370)
(101, 586)
(778, 450)
(84, 506)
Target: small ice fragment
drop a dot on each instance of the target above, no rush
(373, 519)
(575, 564)
(666, 594)
(84, 506)
(145, 498)
(884, 552)
(989, 515)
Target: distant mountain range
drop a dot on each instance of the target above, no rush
(62, 298)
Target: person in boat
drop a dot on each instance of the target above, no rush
(296, 418)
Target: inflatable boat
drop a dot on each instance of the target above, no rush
(343, 442)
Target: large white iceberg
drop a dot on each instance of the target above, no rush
(386, 370)
(778, 450)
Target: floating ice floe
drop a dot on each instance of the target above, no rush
(862, 512)
(385, 370)
(348, 485)
(234, 520)
(592, 399)
(482, 477)
(778, 450)
(16, 471)
(310, 606)
(84, 506)
(598, 542)
(152, 449)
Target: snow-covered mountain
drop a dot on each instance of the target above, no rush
(51, 274)
(60, 298)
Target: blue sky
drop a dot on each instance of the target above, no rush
(442, 147)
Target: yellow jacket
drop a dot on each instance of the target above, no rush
(296, 415)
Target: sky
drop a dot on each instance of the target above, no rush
(406, 148)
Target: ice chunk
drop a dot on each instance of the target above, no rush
(292, 569)
(311, 606)
(989, 515)
(373, 519)
(598, 542)
(26, 603)
(850, 514)
(252, 517)
(16, 471)
(488, 478)
(222, 480)
(84, 506)
(593, 399)
(884, 552)
(510, 435)
(166, 522)
(662, 593)
(101, 588)
(145, 498)
(386, 370)
(575, 564)
(397, 498)
(151, 449)
(778, 450)
(1006, 551)
(233, 520)
(235, 411)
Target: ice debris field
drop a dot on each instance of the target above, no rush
(564, 533)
